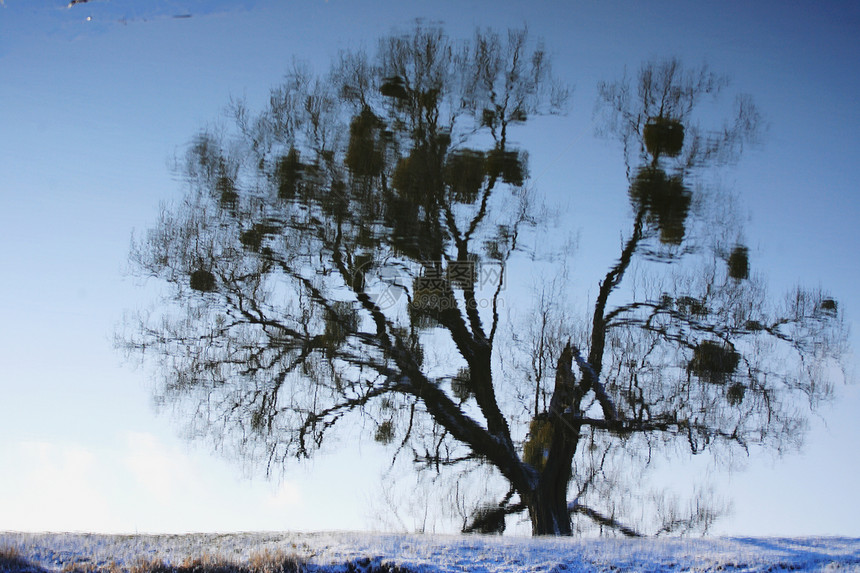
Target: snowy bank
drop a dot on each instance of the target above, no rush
(438, 553)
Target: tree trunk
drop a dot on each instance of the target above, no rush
(547, 503)
(548, 509)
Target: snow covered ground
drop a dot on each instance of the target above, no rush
(436, 553)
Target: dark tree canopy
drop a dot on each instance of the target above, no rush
(368, 216)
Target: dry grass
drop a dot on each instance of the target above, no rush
(263, 562)
(11, 561)
(267, 561)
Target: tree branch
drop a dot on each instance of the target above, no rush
(604, 520)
